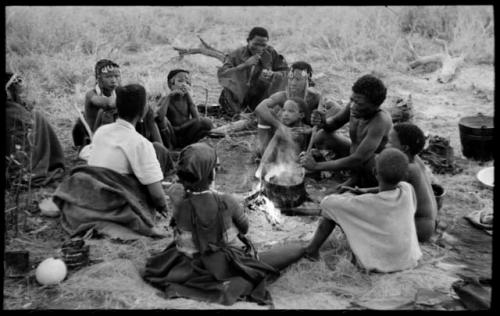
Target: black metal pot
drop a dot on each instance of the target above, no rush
(284, 196)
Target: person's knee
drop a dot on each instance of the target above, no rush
(206, 123)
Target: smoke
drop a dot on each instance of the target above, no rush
(283, 167)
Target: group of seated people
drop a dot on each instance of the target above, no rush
(385, 208)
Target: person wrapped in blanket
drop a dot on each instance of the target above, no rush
(379, 227)
(30, 140)
(211, 258)
(251, 73)
(100, 106)
(117, 193)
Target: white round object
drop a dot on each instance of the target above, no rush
(51, 271)
(487, 176)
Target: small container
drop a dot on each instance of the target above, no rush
(439, 193)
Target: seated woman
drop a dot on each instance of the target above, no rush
(206, 261)
(40, 145)
(117, 193)
(178, 119)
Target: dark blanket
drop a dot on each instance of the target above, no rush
(223, 276)
(104, 200)
(42, 144)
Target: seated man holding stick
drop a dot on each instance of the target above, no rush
(369, 126)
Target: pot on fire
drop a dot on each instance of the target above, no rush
(284, 186)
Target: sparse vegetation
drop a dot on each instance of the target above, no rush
(56, 48)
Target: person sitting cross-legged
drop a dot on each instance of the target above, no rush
(120, 189)
(379, 227)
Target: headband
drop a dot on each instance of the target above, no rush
(108, 68)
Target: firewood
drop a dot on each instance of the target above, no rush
(205, 49)
(449, 64)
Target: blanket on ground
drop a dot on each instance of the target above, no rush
(101, 199)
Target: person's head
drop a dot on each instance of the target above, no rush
(391, 166)
(294, 110)
(176, 78)
(257, 40)
(368, 93)
(131, 102)
(14, 87)
(406, 137)
(196, 166)
(107, 74)
(300, 75)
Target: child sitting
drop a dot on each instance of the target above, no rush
(291, 134)
(410, 140)
(207, 261)
(379, 227)
(177, 116)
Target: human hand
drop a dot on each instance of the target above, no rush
(267, 74)
(252, 61)
(307, 161)
(345, 188)
(318, 118)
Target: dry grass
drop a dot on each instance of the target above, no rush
(57, 48)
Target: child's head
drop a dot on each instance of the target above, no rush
(177, 78)
(107, 74)
(196, 166)
(406, 137)
(369, 93)
(294, 111)
(391, 166)
(131, 101)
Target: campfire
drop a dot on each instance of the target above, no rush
(281, 187)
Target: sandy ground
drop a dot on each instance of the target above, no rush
(332, 283)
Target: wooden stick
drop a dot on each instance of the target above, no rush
(313, 134)
(83, 121)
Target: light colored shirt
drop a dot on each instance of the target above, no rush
(379, 227)
(119, 147)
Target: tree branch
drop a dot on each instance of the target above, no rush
(206, 50)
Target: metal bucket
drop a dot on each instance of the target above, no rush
(476, 136)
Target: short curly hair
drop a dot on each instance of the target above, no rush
(372, 88)
(302, 105)
(410, 135)
(392, 165)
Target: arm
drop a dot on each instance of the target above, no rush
(231, 66)
(101, 102)
(425, 215)
(338, 120)
(192, 107)
(263, 110)
(158, 197)
(366, 149)
(240, 220)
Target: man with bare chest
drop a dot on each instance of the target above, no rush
(369, 127)
(176, 114)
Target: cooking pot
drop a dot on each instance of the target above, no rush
(285, 196)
